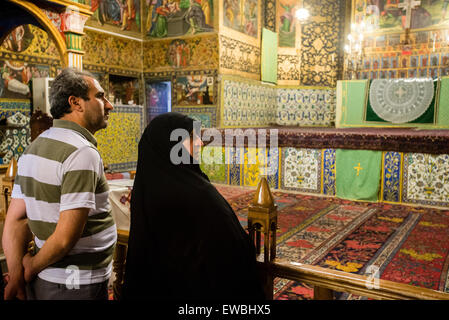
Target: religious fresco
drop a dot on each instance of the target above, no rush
(170, 18)
(28, 40)
(287, 23)
(16, 78)
(389, 15)
(119, 16)
(194, 90)
(242, 16)
(189, 54)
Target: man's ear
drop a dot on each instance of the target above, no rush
(75, 103)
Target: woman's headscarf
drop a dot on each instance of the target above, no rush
(185, 240)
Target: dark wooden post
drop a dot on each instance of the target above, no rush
(262, 217)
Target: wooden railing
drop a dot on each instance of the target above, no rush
(262, 217)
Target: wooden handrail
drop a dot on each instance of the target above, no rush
(327, 278)
(351, 283)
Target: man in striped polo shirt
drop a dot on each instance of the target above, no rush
(61, 195)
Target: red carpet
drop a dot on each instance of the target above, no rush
(408, 244)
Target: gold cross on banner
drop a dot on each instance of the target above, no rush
(358, 168)
(408, 5)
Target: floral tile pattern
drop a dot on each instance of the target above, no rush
(426, 179)
(301, 170)
(118, 143)
(16, 139)
(246, 104)
(329, 172)
(392, 163)
(305, 107)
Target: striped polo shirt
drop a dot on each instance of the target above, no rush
(61, 170)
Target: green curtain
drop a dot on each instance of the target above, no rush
(269, 66)
(358, 174)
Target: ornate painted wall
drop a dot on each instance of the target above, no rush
(411, 178)
(246, 103)
(188, 53)
(386, 52)
(308, 53)
(240, 26)
(305, 106)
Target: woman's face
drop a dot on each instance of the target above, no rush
(193, 145)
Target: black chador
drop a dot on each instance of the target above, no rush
(185, 240)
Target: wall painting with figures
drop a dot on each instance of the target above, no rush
(119, 16)
(387, 15)
(194, 90)
(242, 16)
(383, 26)
(171, 18)
(26, 53)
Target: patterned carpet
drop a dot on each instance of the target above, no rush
(408, 244)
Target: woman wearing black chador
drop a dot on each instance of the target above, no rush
(185, 241)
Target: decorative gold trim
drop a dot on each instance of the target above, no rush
(48, 26)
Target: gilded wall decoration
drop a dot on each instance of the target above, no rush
(177, 17)
(269, 14)
(189, 53)
(319, 43)
(242, 16)
(239, 57)
(113, 52)
(118, 143)
(119, 16)
(27, 41)
(288, 68)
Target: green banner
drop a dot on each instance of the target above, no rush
(269, 65)
(358, 174)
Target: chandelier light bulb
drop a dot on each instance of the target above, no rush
(302, 14)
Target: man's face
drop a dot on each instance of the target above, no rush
(96, 109)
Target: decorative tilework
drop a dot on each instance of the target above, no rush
(207, 115)
(247, 103)
(305, 106)
(254, 160)
(118, 143)
(215, 171)
(273, 167)
(234, 158)
(426, 179)
(9, 107)
(301, 170)
(16, 140)
(329, 172)
(391, 178)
